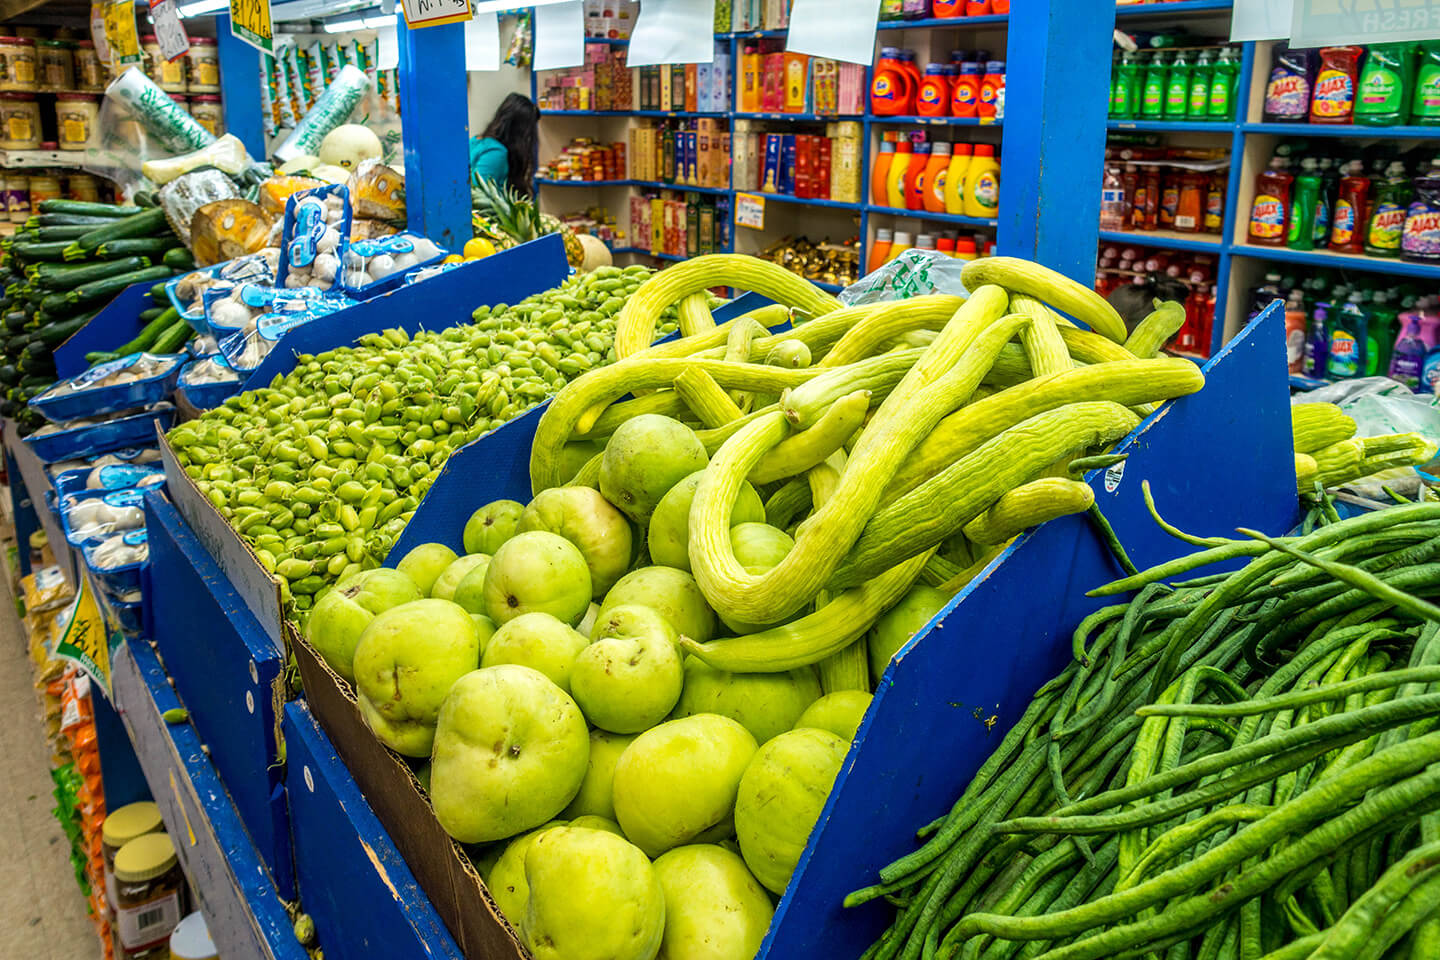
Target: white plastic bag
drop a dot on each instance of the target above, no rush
(914, 273)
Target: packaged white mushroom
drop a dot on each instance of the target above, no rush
(88, 516)
(231, 308)
(252, 343)
(187, 292)
(114, 552)
(131, 368)
(316, 232)
(205, 370)
(368, 262)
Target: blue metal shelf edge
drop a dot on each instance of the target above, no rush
(1169, 9)
(242, 908)
(631, 113)
(955, 23)
(672, 257)
(787, 198)
(1172, 126)
(1343, 130)
(937, 121)
(1337, 261)
(802, 117)
(937, 217)
(581, 183)
(1168, 242)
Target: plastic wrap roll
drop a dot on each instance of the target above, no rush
(162, 118)
(332, 109)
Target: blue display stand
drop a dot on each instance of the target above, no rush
(117, 323)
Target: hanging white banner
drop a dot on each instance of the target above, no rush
(1324, 23)
(387, 44)
(482, 42)
(559, 35)
(1260, 20)
(838, 29)
(673, 31)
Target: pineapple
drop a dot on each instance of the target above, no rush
(506, 218)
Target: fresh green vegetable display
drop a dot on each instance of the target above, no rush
(1237, 765)
(59, 271)
(321, 470)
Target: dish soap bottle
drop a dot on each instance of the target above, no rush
(1270, 210)
(1425, 105)
(1380, 335)
(1348, 335)
(1382, 97)
(1301, 235)
(1408, 360)
(1387, 216)
(1420, 237)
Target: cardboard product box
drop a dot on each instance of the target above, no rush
(692, 158)
(821, 170)
(692, 86)
(722, 175)
(640, 222)
(772, 97)
(725, 223)
(772, 144)
(787, 164)
(675, 227)
(692, 224)
(797, 68)
(657, 225)
(802, 165)
(707, 225)
(751, 65)
(824, 95)
(851, 88)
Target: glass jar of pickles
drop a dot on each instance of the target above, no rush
(83, 187)
(169, 75)
(205, 108)
(77, 118)
(89, 72)
(19, 121)
(204, 57)
(56, 62)
(17, 197)
(17, 64)
(43, 186)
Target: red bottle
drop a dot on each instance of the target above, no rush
(1334, 98)
(990, 86)
(1000, 7)
(965, 94)
(945, 9)
(891, 89)
(1270, 210)
(906, 59)
(977, 8)
(933, 98)
(1352, 207)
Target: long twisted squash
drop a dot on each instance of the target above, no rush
(1056, 289)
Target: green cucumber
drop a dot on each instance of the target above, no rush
(150, 334)
(150, 313)
(157, 293)
(173, 337)
(57, 333)
(86, 208)
(110, 286)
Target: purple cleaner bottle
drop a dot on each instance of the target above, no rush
(1408, 358)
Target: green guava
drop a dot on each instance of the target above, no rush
(539, 641)
(470, 591)
(766, 704)
(593, 896)
(898, 624)
(585, 518)
(781, 795)
(592, 822)
(715, 909)
(644, 458)
(677, 781)
(629, 677)
(597, 790)
(491, 526)
(486, 626)
(839, 712)
(669, 533)
(338, 618)
(405, 663)
(511, 750)
(452, 576)
(537, 572)
(424, 564)
(506, 877)
(759, 548)
(672, 593)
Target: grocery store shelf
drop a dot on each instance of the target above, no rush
(807, 201)
(940, 121)
(800, 117)
(673, 258)
(1170, 239)
(1172, 126)
(954, 23)
(544, 182)
(630, 113)
(753, 34)
(41, 158)
(937, 217)
(1337, 261)
(1170, 9)
(1343, 130)
(661, 185)
(650, 184)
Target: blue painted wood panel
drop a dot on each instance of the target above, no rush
(118, 322)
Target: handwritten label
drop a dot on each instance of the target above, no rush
(250, 21)
(82, 638)
(120, 34)
(173, 41)
(97, 31)
(433, 13)
(750, 211)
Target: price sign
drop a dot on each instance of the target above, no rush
(83, 639)
(168, 31)
(120, 33)
(433, 13)
(750, 211)
(97, 31)
(250, 21)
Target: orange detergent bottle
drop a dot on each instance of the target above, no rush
(891, 89)
(937, 173)
(919, 169)
(881, 172)
(879, 250)
(965, 91)
(933, 100)
(895, 180)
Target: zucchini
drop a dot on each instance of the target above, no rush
(55, 277)
(32, 386)
(157, 293)
(55, 334)
(51, 234)
(178, 258)
(150, 314)
(173, 337)
(37, 365)
(86, 208)
(9, 375)
(153, 247)
(150, 334)
(110, 286)
(47, 251)
(39, 220)
(146, 223)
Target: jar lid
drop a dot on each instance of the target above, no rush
(205, 98)
(149, 38)
(145, 858)
(190, 940)
(16, 95)
(92, 97)
(179, 98)
(26, 41)
(85, 43)
(52, 43)
(131, 821)
(202, 41)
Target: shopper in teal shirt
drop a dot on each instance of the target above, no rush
(505, 153)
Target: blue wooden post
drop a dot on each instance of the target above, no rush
(239, 65)
(436, 134)
(1058, 59)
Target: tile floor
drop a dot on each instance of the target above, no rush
(42, 914)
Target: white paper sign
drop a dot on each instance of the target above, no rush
(433, 13)
(482, 42)
(168, 31)
(750, 211)
(97, 32)
(559, 35)
(1323, 23)
(838, 29)
(1260, 20)
(387, 54)
(673, 31)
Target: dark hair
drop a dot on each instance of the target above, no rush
(516, 124)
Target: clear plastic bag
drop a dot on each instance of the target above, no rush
(914, 273)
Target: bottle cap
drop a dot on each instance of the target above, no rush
(922, 147)
(887, 146)
(945, 244)
(961, 149)
(903, 146)
(964, 246)
(934, 69)
(882, 235)
(925, 242)
(970, 66)
(995, 66)
(889, 52)
(940, 149)
(984, 150)
(903, 238)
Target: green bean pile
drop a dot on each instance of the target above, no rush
(1244, 765)
(320, 471)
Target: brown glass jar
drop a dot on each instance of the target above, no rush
(149, 897)
(56, 62)
(89, 71)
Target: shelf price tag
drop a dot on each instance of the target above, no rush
(171, 35)
(250, 21)
(750, 211)
(120, 33)
(433, 13)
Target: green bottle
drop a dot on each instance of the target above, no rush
(1380, 334)
(1387, 213)
(1425, 107)
(1200, 76)
(1302, 207)
(1382, 96)
(1116, 82)
(1152, 93)
(1177, 87)
(1132, 82)
(1223, 81)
